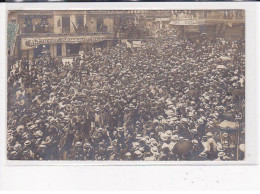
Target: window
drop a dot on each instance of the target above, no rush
(80, 20)
(66, 24)
(100, 22)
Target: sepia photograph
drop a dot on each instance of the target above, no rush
(126, 85)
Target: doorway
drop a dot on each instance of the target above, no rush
(73, 49)
(59, 49)
(40, 50)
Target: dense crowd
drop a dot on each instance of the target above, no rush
(41, 26)
(162, 101)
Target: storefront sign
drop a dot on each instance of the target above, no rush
(162, 19)
(187, 22)
(29, 43)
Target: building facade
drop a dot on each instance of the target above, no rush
(66, 33)
(61, 33)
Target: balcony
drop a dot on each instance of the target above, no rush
(217, 18)
(48, 30)
(28, 35)
(36, 29)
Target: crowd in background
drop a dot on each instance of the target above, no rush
(162, 101)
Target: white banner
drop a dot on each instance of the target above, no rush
(187, 22)
(29, 43)
(137, 44)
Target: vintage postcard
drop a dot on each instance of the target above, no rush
(126, 85)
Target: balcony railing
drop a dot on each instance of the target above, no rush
(211, 20)
(64, 34)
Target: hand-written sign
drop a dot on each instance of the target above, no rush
(29, 43)
(137, 44)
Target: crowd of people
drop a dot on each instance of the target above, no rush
(41, 26)
(162, 101)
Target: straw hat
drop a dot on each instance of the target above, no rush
(138, 153)
(87, 144)
(27, 142)
(128, 154)
(154, 144)
(38, 133)
(154, 150)
(194, 131)
(209, 134)
(110, 148)
(225, 135)
(164, 137)
(242, 147)
(78, 144)
(17, 147)
(42, 146)
(195, 142)
(138, 136)
(168, 133)
(136, 145)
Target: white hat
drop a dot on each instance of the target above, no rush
(17, 147)
(38, 133)
(168, 133)
(200, 120)
(225, 134)
(128, 154)
(27, 142)
(42, 146)
(242, 147)
(165, 145)
(209, 134)
(138, 153)
(153, 143)
(110, 148)
(20, 127)
(151, 158)
(154, 150)
(164, 137)
(194, 141)
(136, 144)
(78, 144)
(175, 137)
(139, 136)
(141, 149)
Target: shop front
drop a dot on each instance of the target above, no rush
(41, 50)
(60, 46)
(73, 49)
